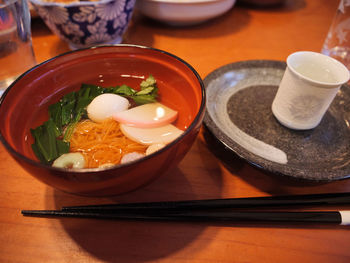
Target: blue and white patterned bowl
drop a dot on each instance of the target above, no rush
(87, 23)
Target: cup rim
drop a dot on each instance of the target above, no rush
(338, 64)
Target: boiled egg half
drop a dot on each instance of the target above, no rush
(105, 105)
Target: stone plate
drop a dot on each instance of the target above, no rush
(239, 98)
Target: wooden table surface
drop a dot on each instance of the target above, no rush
(243, 33)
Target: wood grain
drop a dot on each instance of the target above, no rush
(207, 171)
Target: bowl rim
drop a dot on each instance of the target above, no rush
(197, 118)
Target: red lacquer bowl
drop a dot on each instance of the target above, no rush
(24, 106)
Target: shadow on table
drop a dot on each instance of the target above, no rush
(230, 22)
(281, 6)
(136, 241)
(40, 29)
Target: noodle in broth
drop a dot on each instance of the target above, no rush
(102, 143)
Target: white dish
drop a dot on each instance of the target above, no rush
(183, 12)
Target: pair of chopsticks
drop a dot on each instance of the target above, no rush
(215, 210)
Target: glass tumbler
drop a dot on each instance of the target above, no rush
(16, 52)
(337, 43)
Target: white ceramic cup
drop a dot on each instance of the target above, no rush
(309, 85)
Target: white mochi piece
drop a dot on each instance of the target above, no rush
(149, 115)
(104, 106)
(154, 147)
(147, 136)
(130, 157)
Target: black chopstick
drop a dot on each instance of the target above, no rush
(329, 217)
(269, 201)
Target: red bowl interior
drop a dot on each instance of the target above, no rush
(24, 104)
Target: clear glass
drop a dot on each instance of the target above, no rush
(16, 52)
(337, 43)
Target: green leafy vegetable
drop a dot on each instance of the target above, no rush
(144, 99)
(52, 137)
(55, 113)
(124, 90)
(47, 146)
(62, 147)
(149, 82)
